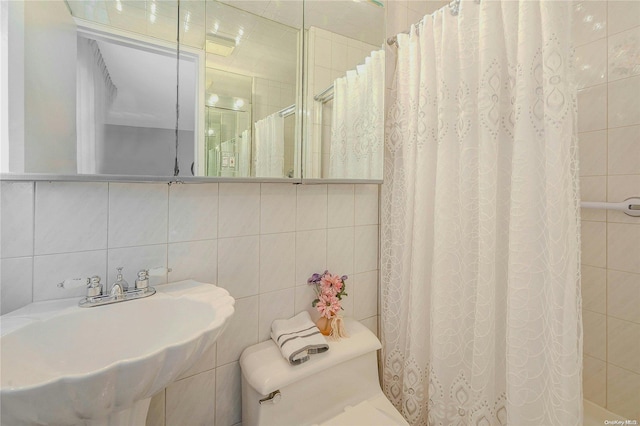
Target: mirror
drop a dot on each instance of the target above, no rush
(345, 83)
(252, 85)
(94, 88)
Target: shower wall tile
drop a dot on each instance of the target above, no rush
(311, 208)
(593, 188)
(594, 244)
(623, 295)
(594, 289)
(622, 247)
(624, 151)
(622, 15)
(193, 212)
(624, 102)
(16, 216)
(311, 254)
(593, 153)
(624, 53)
(191, 400)
(623, 397)
(138, 214)
(366, 248)
(623, 344)
(365, 292)
(16, 277)
(595, 334)
(594, 380)
(589, 21)
(70, 217)
(340, 250)
(591, 63)
(366, 204)
(619, 188)
(592, 105)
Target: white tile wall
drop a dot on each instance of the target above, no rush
(607, 36)
(260, 241)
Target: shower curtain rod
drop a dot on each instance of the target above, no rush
(630, 206)
(454, 8)
(285, 112)
(325, 96)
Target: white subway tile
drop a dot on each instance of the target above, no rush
(134, 259)
(366, 248)
(593, 153)
(274, 305)
(365, 294)
(137, 214)
(623, 344)
(311, 208)
(277, 261)
(624, 151)
(624, 102)
(241, 330)
(594, 244)
(196, 260)
(340, 250)
(594, 380)
(16, 290)
(311, 254)
(191, 401)
(592, 108)
(239, 265)
(622, 247)
(340, 205)
(624, 51)
(366, 204)
(591, 64)
(239, 209)
(277, 208)
(193, 212)
(52, 269)
(623, 392)
(594, 289)
(17, 218)
(593, 188)
(228, 391)
(589, 21)
(622, 15)
(70, 216)
(595, 334)
(623, 295)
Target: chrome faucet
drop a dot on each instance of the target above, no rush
(121, 286)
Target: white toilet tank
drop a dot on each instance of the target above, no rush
(337, 387)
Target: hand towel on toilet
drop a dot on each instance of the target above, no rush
(298, 337)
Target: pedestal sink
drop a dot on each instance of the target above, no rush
(66, 365)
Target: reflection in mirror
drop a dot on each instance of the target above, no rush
(252, 59)
(95, 84)
(344, 71)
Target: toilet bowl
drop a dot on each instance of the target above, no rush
(337, 388)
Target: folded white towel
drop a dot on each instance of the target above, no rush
(298, 337)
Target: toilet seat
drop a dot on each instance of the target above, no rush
(377, 411)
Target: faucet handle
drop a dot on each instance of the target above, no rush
(94, 288)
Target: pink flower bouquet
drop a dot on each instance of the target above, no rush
(329, 291)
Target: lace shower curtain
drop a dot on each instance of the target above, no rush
(357, 122)
(481, 318)
(269, 138)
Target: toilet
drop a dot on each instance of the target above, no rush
(339, 387)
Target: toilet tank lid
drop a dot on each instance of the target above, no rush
(266, 370)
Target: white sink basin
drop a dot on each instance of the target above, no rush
(65, 365)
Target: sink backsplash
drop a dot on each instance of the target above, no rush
(259, 241)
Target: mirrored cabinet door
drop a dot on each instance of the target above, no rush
(344, 98)
(253, 81)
